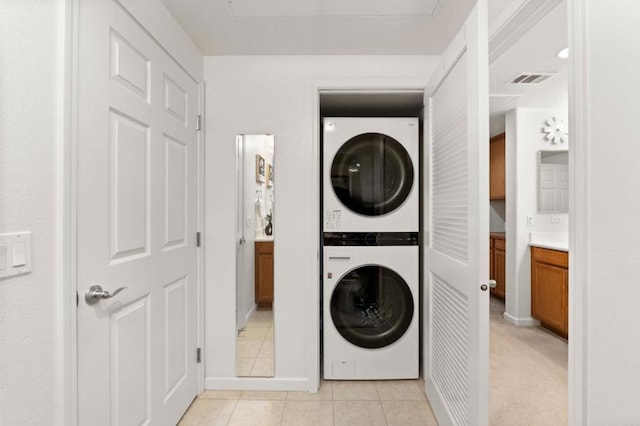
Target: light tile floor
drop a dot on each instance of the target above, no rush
(527, 386)
(338, 403)
(254, 346)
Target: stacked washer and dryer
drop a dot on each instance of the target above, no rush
(371, 248)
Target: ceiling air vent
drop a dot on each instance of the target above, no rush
(530, 78)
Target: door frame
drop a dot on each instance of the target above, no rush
(68, 294)
(315, 193)
(578, 214)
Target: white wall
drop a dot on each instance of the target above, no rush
(497, 215)
(524, 138)
(275, 95)
(604, 272)
(28, 346)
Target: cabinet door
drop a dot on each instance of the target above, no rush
(549, 293)
(497, 189)
(499, 265)
(492, 275)
(264, 273)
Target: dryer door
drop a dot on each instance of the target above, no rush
(372, 306)
(372, 174)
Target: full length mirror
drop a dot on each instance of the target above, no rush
(255, 237)
(553, 181)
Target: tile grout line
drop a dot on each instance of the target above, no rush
(284, 403)
(384, 413)
(232, 411)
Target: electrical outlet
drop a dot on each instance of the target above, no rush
(556, 219)
(530, 220)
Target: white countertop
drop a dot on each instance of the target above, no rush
(552, 245)
(550, 240)
(265, 238)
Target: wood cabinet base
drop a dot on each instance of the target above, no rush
(497, 265)
(550, 289)
(264, 273)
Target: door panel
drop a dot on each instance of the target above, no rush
(176, 193)
(456, 252)
(130, 366)
(129, 187)
(137, 222)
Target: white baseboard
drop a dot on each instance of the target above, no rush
(257, 383)
(521, 322)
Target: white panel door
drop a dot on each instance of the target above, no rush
(456, 252)
(137, 220)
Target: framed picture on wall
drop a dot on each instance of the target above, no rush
(260, 169)
(269, 175)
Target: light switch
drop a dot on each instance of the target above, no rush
(15, 254)
(18, 254)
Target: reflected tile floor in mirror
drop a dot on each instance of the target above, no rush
(254, 346)
(338, 403)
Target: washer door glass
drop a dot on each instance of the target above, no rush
(372, 174)
(372, 306)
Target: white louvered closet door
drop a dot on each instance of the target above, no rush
(457, 250)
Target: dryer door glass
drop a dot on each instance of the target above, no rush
(372, 174)
(372, 306)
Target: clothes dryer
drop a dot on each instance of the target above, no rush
(371, 174)
(371, 307)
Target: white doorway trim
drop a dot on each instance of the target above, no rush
(578, 214)
(65, 206)
(337, 85)
(67, 403)
(66, 398)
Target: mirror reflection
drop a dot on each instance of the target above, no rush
(553, 181)
(255, 236)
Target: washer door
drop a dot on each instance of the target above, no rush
(372, 174)
(372, 306)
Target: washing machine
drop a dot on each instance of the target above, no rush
(370, 306)
(370, 174)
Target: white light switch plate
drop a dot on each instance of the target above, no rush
(15, 254)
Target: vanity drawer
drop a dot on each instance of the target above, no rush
(552, 257)
(499, 244)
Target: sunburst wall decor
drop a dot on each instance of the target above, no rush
(556, 131)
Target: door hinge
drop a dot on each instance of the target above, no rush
(198, 355)
(197, 239)
(198, 122)
(77, 299)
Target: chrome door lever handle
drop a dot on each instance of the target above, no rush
(96, 294)
(242, 240)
